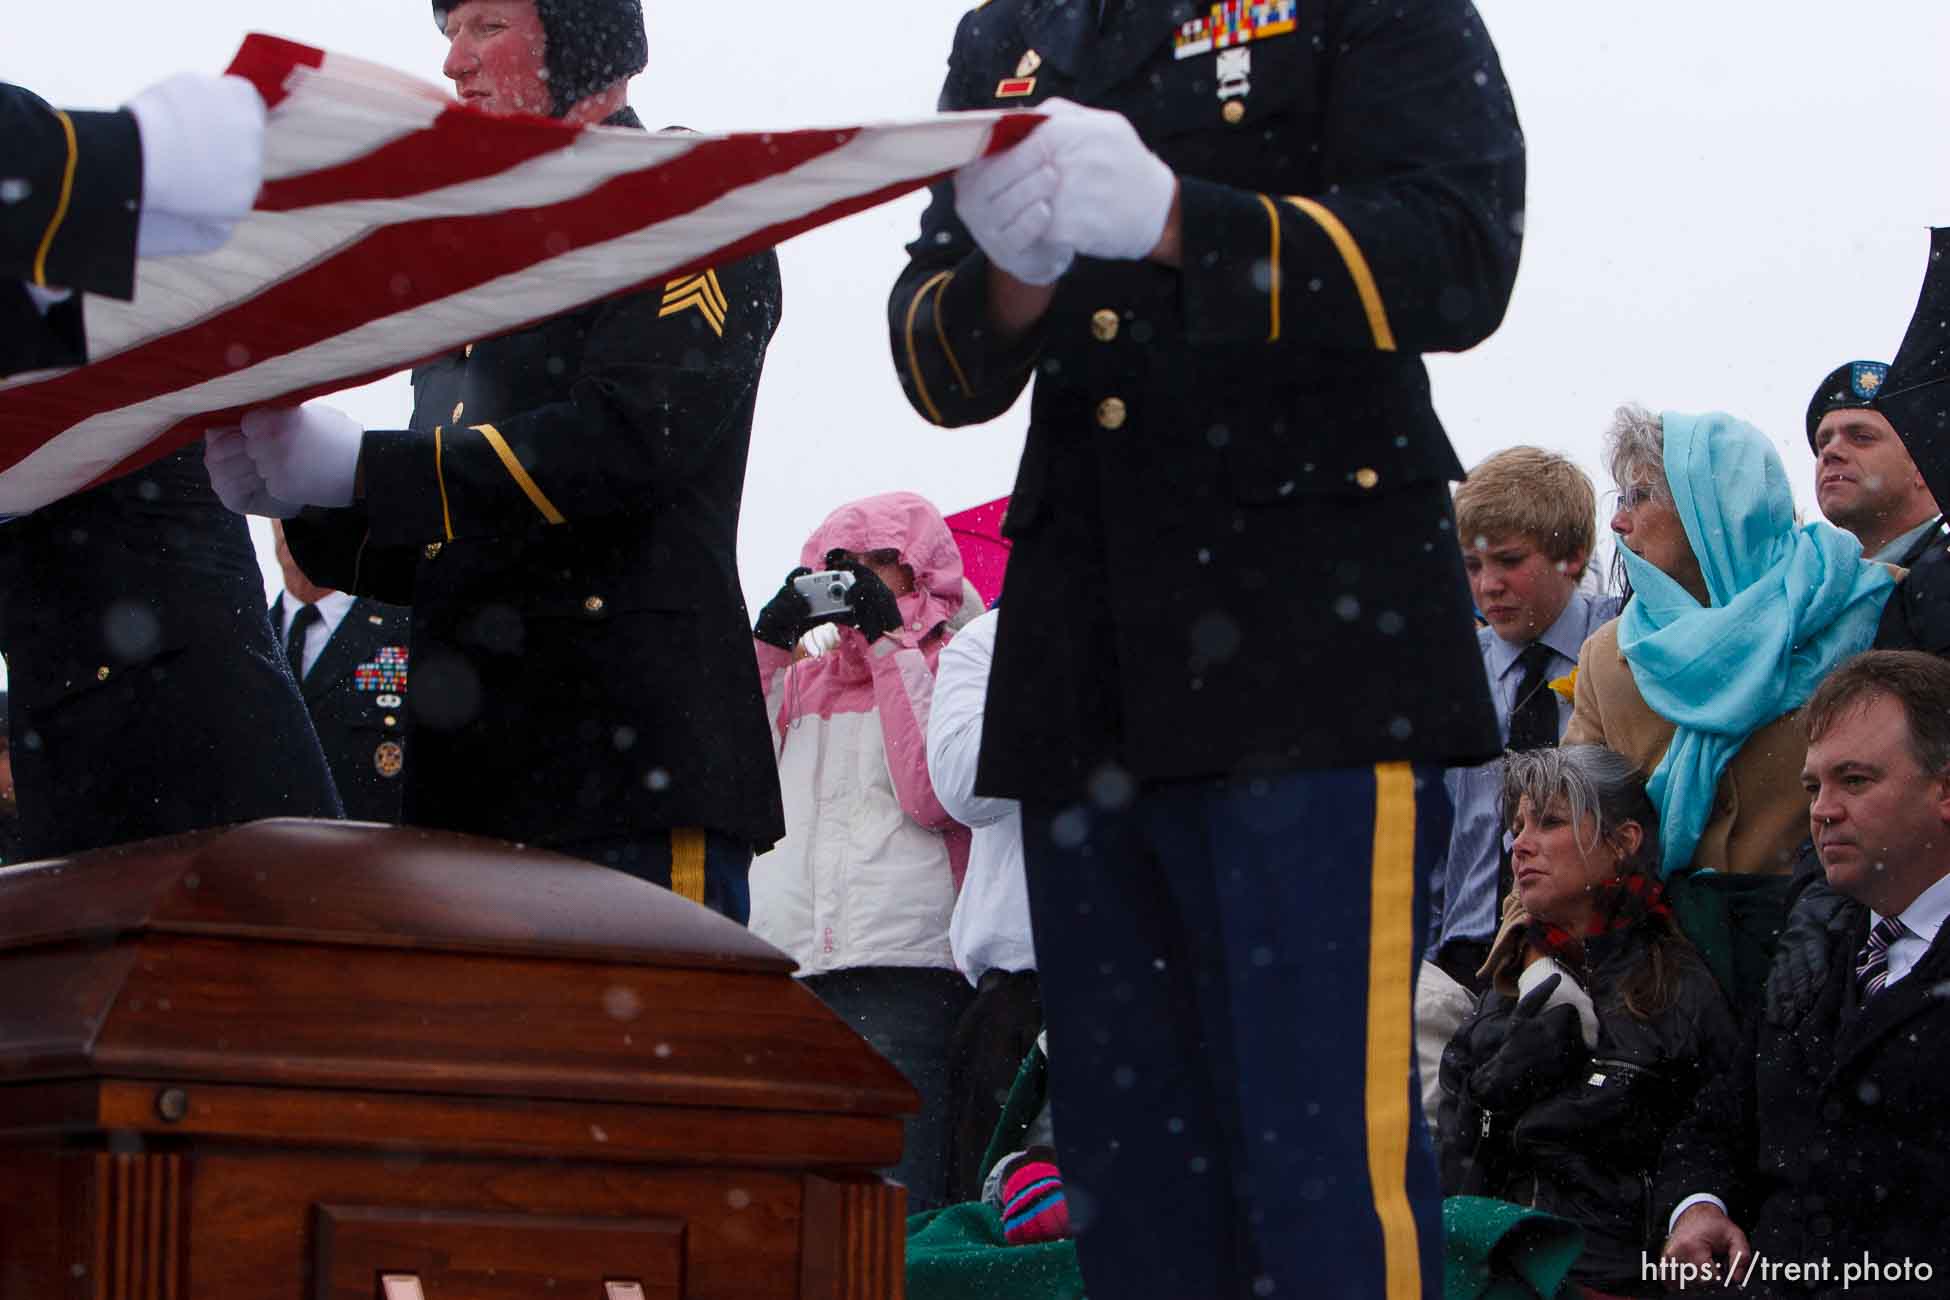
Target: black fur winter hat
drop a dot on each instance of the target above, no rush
(590, 44)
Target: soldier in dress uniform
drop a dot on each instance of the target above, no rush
(1236, 647)
(82, 194)
(561, 514)
(349, 655)
(146, 689)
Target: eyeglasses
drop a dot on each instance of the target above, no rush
(1631, 498)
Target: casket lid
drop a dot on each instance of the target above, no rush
(358, 884)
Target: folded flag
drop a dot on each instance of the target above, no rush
(396, 225)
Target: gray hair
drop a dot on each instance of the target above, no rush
(1635, 448)
(1592, 781)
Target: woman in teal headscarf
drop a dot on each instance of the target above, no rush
(1737, 614)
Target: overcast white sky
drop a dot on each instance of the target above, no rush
(1726, 200)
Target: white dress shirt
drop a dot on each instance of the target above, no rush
(332, 609)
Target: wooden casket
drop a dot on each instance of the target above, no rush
(347, 1062)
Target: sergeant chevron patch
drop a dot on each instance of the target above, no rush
(702, 292)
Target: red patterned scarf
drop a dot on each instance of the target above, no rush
(1617, 904)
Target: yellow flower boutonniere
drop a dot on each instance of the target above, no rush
(1567, 686)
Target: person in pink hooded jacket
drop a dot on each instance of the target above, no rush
(861, 888)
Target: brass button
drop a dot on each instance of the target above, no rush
(1366, 478)
(101, 674)
(1234, 112)
(1111, 413)
(433, 550)
(391, 721)
(594, 604)
(1103, 325)
(458, 408)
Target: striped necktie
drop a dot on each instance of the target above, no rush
(1872, 970)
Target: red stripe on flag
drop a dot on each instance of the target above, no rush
(447, 152)
(267, 62)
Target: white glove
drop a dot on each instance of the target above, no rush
(1113, 195)
(234, 476)
(202, 161)
(1005, 201)
(1567, 993)
(306, 454)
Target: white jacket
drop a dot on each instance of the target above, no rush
(990, 927)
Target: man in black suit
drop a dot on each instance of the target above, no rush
(1237, 647)
(561, 513)
(83, 194)
(1830, 1140)
(349, 655)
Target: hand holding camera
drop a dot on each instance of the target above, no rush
(850, 594)
(872, 607)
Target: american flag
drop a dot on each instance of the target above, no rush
(396, 225)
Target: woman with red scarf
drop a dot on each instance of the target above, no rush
(1600, 1023)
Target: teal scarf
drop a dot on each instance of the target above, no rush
(1789, 603)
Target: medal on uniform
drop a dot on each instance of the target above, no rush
(389, 759)
(1234, 70)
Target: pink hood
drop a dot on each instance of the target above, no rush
(910, 524)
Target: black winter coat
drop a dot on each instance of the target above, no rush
(1830, 1137)
(1583, 1142)
(562, 517)
(1232, 539)
(68, 229)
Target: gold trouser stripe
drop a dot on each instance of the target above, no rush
(687, 862)
(1273, 282)
(440, 477)
(1357, 269)
(1391, 1014)
(913, 357)
(61, 205)
(941, 333)
(519, 473)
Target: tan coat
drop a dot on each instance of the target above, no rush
(1760, 812)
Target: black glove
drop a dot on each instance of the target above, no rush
(1542, 1048)
(787, 616)
(1801, 955)
(872, 606)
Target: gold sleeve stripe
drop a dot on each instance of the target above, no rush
(1391, 1012)
(687, 862)
(717, 292)
(519, 473)
(1273, 278)
(61, 205)
(440, 477)
(941, 332)
(1357, 269)
(913, 356)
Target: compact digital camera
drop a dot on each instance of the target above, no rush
(825, 591)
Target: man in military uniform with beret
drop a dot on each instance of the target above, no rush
(561, 514)
(1865, 481)
(1236, 647)
(85, 193)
